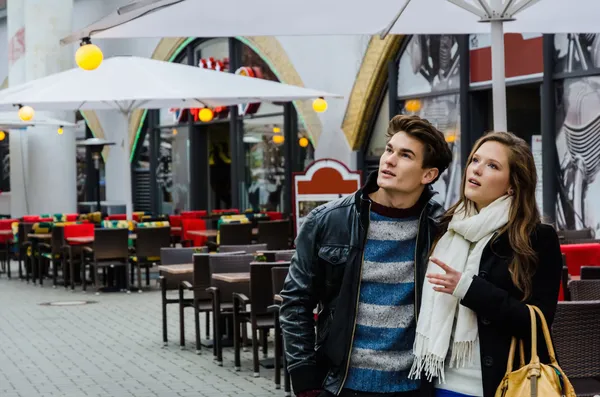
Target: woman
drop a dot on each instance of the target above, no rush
(493, 258)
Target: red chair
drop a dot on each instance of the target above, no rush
(193, 214)
(117, 217)
(175, 222)
(227, 211)
(32, 218)
(190, 240)
(274, 215)
(72, 258)
(79, 230)
(72, 217)
(6, 241)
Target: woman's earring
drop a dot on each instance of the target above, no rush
(511, 192)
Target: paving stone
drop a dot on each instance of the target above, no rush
(112, 347)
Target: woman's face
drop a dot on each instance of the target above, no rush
(488, 174)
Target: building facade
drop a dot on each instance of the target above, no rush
(552, 91)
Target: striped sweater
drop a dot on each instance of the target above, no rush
(385, 328)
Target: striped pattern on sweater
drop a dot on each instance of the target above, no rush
(385, 327)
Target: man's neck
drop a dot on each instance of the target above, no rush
(397, 199)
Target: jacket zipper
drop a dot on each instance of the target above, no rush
(415, 267)
(356, 306)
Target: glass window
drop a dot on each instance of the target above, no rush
(178, 186)
(265, 172)
(444, 113)
(578, 147)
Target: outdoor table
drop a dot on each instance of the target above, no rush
(213, 232)
(233, 278)
(40, 236)
(187, 268)
(578, 255)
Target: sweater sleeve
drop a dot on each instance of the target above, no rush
(488, 300)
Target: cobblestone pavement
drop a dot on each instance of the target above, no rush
(110, 348)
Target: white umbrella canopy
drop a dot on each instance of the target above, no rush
(128, 83)
(11, 120)
(200, 18)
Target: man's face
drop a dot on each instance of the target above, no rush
(401, 165)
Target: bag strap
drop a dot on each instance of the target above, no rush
(511, 355)
(513, 345)
(547, 336)
(534, 356)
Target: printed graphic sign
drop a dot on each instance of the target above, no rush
(321, 182)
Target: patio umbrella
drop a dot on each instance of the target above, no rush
(10, 120)
(129, 83)
(193, 18)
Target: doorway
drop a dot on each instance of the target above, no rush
(524, 111)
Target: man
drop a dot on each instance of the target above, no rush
(362, 260)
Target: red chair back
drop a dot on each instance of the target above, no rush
(274, 215)
(72, 217)
(193, 214)
(175, 220)
(6, 224)
(117, 217)
(227, 211)
(80, 230)
(32, 218)
(190, 225)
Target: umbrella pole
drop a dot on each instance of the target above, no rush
(127, 173)
(498, 76)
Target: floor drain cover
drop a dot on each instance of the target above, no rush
(67, 303)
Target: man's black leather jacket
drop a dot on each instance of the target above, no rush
(326, 272)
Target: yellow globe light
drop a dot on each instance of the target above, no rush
(88, 56)
(278, 139)
(451, 138)
(205, 115)
(319, 105)
(303, 142)
(276, 130)
(412, 105)
(175, 132)
(2, 135)
(26, 113)
(60, 130)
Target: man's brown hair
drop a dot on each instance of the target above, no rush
(437, 154)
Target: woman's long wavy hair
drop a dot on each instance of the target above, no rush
(524, 214)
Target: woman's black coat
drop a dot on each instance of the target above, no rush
(501, 313)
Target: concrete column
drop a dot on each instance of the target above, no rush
(51, 177)
(16, 76)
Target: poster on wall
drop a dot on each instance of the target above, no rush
(536, 150)
(578, 149)
(322, 181)
(431, 64)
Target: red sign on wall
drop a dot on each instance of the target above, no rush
(523, 57)
(321, 182)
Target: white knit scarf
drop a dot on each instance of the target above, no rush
(460, 248)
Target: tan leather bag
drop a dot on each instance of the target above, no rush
(535, 379)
